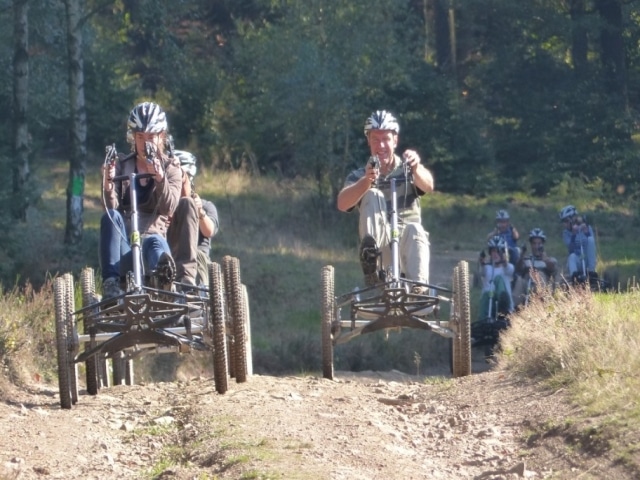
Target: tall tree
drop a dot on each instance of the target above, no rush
(77, 162)
(443, 36)
(612, 47)
(20, 105)
(579, 42)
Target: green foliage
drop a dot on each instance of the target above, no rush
(284, 86)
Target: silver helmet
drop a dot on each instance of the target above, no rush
(568, 212)
(187, 162)
(381, 120)
(502, 215)
(146, 117)
(537, 233)
(497, 242)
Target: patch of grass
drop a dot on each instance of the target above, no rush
(158, 468)
(585, 343)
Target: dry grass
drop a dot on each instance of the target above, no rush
(587, 344)
(27, 345)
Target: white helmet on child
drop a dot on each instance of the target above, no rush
(537, 233)
(497, 242)
(502, 215)
(568, 212)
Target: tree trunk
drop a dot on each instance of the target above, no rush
(425, 16)
(612, 47)
(20, 104)
(579, 42)
(77, 162)
(442, 34)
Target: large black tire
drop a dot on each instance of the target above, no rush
(233, 287)
(88, 285)
(462, 342)
(218, 311)
(229, 315)
(60, 304)
(247, 329)
(72, 337)
(454, 314)
(328, 316)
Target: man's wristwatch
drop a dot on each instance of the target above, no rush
(202, 214)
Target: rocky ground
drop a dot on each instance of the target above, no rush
(367, 425)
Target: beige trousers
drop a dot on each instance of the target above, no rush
(413, 243)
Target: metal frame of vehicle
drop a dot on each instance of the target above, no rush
(393, 304)
(150, 320)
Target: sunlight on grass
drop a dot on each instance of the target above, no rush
(587, 343)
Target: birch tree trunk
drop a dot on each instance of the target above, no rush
(20, 104)
(77, 161)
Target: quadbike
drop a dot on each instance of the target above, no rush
(150, 319)
(393, 304)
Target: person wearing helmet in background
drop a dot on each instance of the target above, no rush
(157, 198)
(538, 267)
(497, 275)
(579, 239)
(192, 226)
(509, 233)
(361, 190)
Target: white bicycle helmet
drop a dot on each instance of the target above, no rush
(537, 233)
(187, 162)
(497, 242)
(381, 120)
(502, 215)
(146, 117)
(568, 212)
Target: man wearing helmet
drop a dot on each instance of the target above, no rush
(361, 190)
(193, 225)
(579, 239)
(157, 198)
(537, 268)
(509, 233)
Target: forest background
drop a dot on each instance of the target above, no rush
(496, 95)
(535, 101)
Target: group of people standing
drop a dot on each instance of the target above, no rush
(508, 271)
(175, 224)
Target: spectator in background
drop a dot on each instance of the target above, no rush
(497, 275)
(533, 270)
(509, 234)
(579, 239)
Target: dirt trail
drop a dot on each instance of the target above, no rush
(369, 425)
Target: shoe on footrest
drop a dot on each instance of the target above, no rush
(369, 253)
(420, 290)
(165, 271)
(111, 288)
